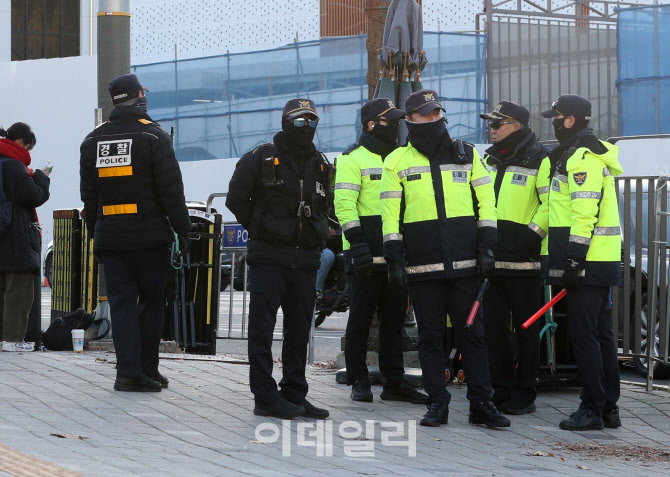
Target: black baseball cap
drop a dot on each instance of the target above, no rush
(376, 108)
(298, 107)
(569, 105)
(508, 110)
(124, 88)
(422, 102)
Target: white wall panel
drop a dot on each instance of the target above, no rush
(57, 98)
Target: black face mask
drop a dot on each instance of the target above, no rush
(298, 140)
(429, 138)
(560, 131)
(509, 143)
(386, 134)
(140, 102)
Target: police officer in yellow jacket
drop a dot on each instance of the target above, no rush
(358, 178)
(515, 162)
(585, 255)
(439, 225)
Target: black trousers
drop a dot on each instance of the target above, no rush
(513, 299)
(433, 300)
(590, 328)
(272, 286)
(135, 283)
(368, 294)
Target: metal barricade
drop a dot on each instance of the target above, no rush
(643, 205)
(234, 241)
(192, 306)
(89, 273)
(66, 286)
(658, 352)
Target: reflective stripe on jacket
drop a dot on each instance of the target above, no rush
(584, 216)
(437, 214)
(521, 186)
(357, 185)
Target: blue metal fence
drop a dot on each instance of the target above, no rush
(644, 70)
(223, 106)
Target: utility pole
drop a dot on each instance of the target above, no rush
(113, 48)
(375, 12)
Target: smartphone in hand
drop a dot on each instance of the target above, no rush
(46, 166)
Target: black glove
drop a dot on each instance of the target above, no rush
(397, 275)
(184, 244)
(530, 243)
(486, 263)
(362, 258)
(571, 279)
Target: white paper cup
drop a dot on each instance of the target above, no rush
(78, 340)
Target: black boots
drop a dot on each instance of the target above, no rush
(361, 390)
(484, 412)
(518, 408)
(141, 384)
(159, 378)
(312, 411)
(584, 420)
(403, 392)
(438, 413)
(611, 418)
(279, 407)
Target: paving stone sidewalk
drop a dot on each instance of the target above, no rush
(204, 425)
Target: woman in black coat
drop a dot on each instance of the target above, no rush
(20, 243)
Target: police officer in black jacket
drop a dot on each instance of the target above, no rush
(281, 194)
(133, 196)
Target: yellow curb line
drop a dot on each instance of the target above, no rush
(18, 464)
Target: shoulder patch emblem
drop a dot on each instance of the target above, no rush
(579, 178)
(145, 121)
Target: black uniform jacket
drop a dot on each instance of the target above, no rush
(131, 184)
(283, 202)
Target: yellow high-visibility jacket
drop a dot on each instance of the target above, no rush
(519, 194)
(583, 213)
(437, 214)
(357, 185)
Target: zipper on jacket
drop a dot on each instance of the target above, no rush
(301, 208)
(500, 176)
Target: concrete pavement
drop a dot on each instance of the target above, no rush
(204, 425)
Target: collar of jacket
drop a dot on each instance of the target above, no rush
(14, 151)
(376, 145)
(129, 112)
(582, 138)
(520, 150)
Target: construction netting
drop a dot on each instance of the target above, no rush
(223, 106)
(644, 70)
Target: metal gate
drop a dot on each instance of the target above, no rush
(643, 211)
(540, 50)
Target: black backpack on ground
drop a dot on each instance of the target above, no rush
(58, 337)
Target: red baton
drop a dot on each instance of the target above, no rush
(478, 301)
(544, 309)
